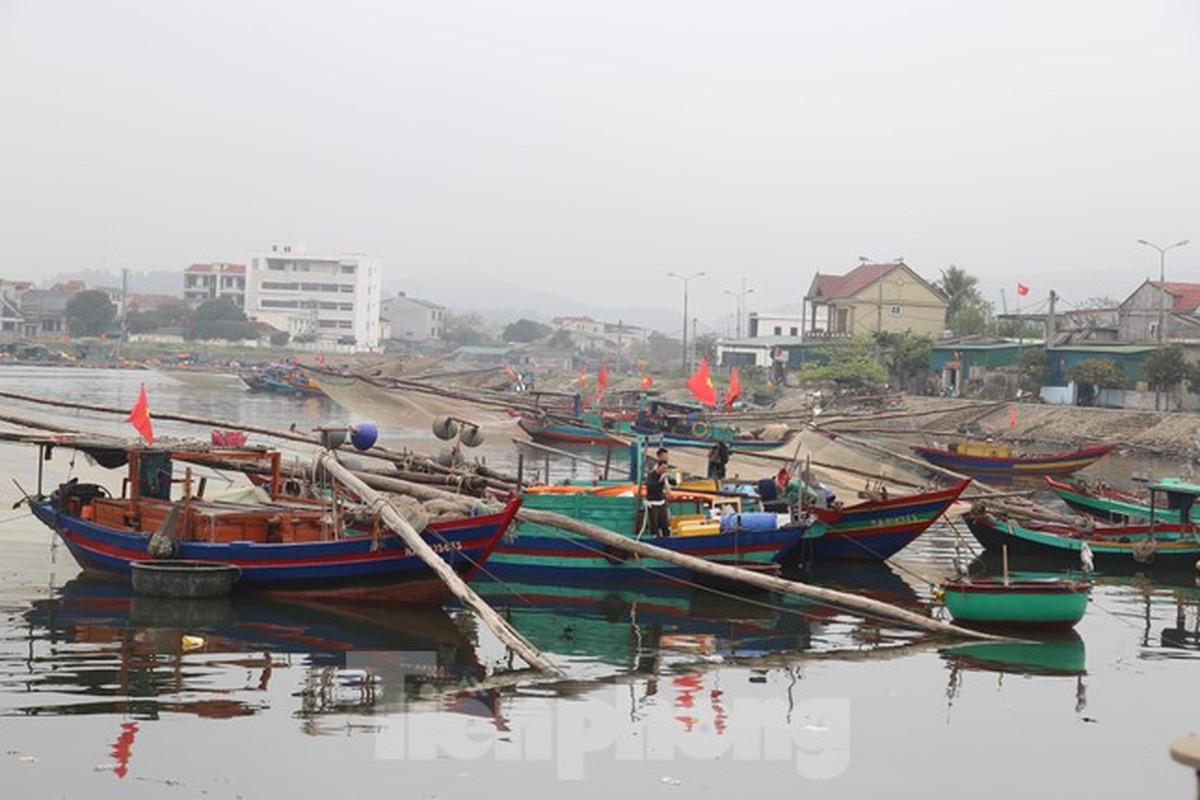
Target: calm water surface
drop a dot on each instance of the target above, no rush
(670, 691)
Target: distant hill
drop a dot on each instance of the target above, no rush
(500, 302)
(162, 282)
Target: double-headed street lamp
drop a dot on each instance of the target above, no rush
(1162, 280)
(685, 279)
(741, 297)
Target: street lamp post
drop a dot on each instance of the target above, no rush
(741, 297)
(685, 279)
(1162, 280)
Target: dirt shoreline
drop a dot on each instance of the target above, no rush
(1150, 432)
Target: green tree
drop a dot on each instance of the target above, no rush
(220, 319)
(1165, 369)
(1092, 374)
(526, 330)
(706, 347)
(967, 312)
(90, 313)
(906, 357)
(1033, 369)
(464, 328)
(853, 363)
(560, 340)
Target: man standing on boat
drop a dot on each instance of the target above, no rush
(718, 457)
(657, 514)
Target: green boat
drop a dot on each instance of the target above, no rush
(1003, 602)
(1102, 501)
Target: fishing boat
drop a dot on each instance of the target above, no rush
(1151, 544)
(998, 459)
(1015, 602)
(683, 425)
(282, 378)
(877, 528)
(333, 548)
(543, 553)
(1106, 502)
(589, 428)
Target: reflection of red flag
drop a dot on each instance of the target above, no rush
(1012, 416)
(122, 748)
(1022, 289)
(582, 377)
(701, 385)
(602, 377)
(139, 416)
(735, 388)
(647, 381)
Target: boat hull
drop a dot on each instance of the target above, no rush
(350, 569)
(1026, 603)
(540, 553)
(876, 530)
(1117, 548)
(1109, 509)
(1017, 465)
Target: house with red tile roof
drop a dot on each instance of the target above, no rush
(1172, 308)
(888, 297)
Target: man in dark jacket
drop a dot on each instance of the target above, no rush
(657, 516)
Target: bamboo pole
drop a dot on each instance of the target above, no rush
(413, 539)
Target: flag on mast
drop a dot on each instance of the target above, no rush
(701, 385)
(735, 388)
(1022, 289)
(139, 417)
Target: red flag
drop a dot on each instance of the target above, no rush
(647, 381)
(602, 377)
(139, 416)
(1022, 289)
(701, 385)
(735, 388)
(582, 377)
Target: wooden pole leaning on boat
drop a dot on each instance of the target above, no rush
(413, 539)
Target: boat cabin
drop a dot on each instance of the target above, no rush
(1175, 495)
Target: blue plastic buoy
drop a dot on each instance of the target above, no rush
(364, 435)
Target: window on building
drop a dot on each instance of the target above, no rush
(897, 310)
(348, 269)
(794, 331)
(280, 286)
(778, 330)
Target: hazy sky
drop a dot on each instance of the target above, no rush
(587, 147)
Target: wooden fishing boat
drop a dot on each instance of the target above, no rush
(284, 379)
(1106, 502)
(683, 425)
(590, 428)
(875, 529)
(540, 553)
(997, 459)
(1012, 602)
(335, 549)
(1153, 544)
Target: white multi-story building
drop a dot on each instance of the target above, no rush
(331, 299)
(213, 281)
(413, 320)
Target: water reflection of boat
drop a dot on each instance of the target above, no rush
(632, 624)
(97, 648)
(1061, 654)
